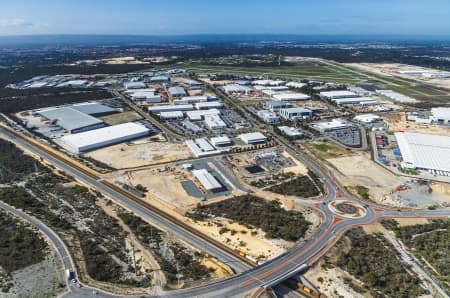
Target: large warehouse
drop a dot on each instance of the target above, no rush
(94, 109)
(337, 94)
(424, 151)
(291, 96)
(102, 137)
(71, 119)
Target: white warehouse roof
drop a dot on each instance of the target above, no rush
(354, 100)
(94, 139)
(236, 88)
(397, 96)
(199, 114)
(337, 94)
(135, 85)
(171, 115)
(367, 118)
(208, 181)
(170, 108)
(441, 114)
(208, 105)
(291, 96)
(220, 141)
(425, 151)
(253, 137)
(295, 85)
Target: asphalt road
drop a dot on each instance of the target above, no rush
(250, 279)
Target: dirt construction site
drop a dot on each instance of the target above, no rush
(164, 184)
(398, 122)
(143, 152)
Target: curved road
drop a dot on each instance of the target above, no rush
(57, 243)
(269, 273)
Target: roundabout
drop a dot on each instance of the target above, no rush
(347, 209)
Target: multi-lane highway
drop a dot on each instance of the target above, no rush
(268, 274)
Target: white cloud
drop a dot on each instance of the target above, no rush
(16, 23)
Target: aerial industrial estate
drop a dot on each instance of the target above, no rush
(248, 168)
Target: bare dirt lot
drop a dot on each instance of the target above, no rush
(120, 118)
(298, 169)
(140, 153)
(360, 170)
(398, 122)
(249, 241)
(325, 150)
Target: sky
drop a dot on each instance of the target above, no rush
(184, 17)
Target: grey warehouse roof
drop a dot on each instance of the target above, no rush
(92, 108)
(69, 118)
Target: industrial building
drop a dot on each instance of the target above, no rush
(275, 105)
(295, 85)
(291, 96)
(200, 114)
(175, 115)
(440, 115)
(75, 84)
(395, 96)
(214, 122)
(159, 79)
(295, 113)
(424, 151)
(334, 124)
(192, 100)
(236, 88)
(71, 119)
(291, 132)
(221, 141)
(253, 138)
(94, 139)
(170, 108)
(193, 84)
(367, 118)
(268, 116)
(268, 82)
(192, 127)
(208, 182)
(177, 91)
(135, 85)
(337, 94)
(201, 148)
(93, 109)
(147, 95)
(208, 105)
(354, 101)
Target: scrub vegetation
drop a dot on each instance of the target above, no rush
(249, 210)
(375, 262)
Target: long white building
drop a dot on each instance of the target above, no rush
(291, 97)
(337, 94)
(94, 139)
